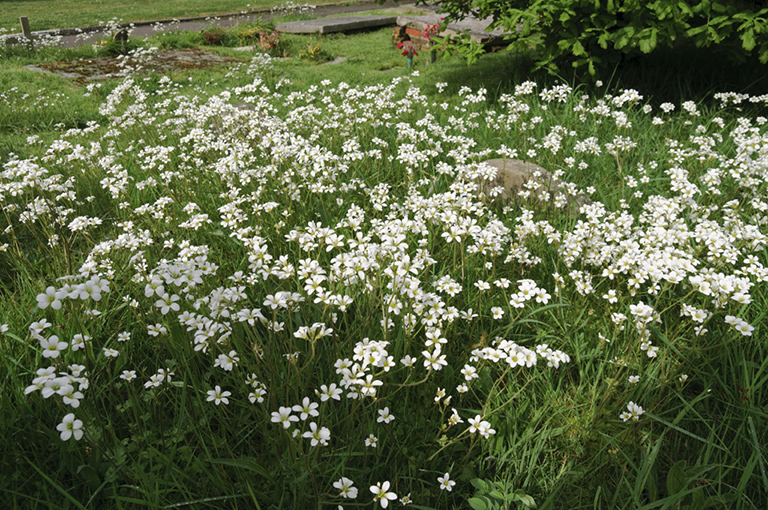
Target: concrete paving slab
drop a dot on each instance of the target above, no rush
(335, 24)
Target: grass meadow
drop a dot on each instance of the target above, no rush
(50, 14)
(286, 284)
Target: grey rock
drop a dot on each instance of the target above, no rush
(513, 176)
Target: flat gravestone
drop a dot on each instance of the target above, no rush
(104, 68)
(477, 27)
(335, 24)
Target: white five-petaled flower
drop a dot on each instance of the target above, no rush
(477, 424)
(446, 484)
(384, 416)
(633, 412)
(318, 435)
(51, 346)
(329, 392)
(346, 487)
(227, 361)
(381, 494)
(51, 297)
(217, 396)
(306, 409)
(70, 427)
(284, 416)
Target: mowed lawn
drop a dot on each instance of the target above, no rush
(49, 14)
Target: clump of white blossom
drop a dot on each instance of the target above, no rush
(211, 240)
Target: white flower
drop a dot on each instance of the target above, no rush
(477, 424)
(128, 375)
(346, 487)
(51, 297)
(227, 361)
(634, 379)
(381, 494)
(284, 416)
(633, 412)
(384, 416)
(156, 330)
(434, 360)
(306, 409)
(469, 372)
(446, 484)
(167, 302)
(51, 346)
(454, 419)
(329, 392)
(78, 341)
(217, 396)
(154, 381)
(70, 427)
(318, 435)
(371, 441)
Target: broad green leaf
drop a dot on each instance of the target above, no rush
(748, 41)
(676, 479)
(477, 504)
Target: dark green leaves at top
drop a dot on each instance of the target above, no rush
(583, 33)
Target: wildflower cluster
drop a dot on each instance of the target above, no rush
(313, 270)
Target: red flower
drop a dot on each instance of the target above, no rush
(407, 48)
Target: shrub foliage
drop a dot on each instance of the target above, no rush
(590, 34)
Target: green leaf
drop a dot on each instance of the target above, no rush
(676, 479)
(578, 48)
(525, 499)
(90, 475)
(477, 504)
(748, 41)
(648, 44)
(479, 484)
(652, 486)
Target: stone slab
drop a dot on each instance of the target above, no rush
(104, 68)
(477, 27)
(335, 24)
